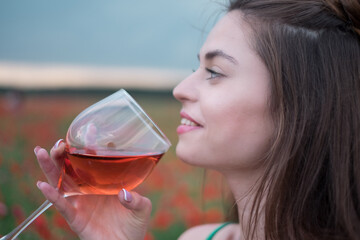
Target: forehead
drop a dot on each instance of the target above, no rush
(231, 34)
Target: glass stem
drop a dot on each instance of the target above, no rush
(14, 233)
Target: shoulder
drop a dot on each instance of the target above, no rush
(199, 232)
(203, 231)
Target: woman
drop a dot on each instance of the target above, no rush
(275, 107)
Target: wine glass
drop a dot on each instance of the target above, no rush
(111, 145)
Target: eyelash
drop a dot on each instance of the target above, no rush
(212, 72)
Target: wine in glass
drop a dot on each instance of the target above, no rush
(111, 145)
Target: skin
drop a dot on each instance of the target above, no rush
(231, 105)
(228, 97)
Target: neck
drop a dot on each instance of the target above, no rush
(243, 188)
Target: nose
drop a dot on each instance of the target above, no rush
(185, 90)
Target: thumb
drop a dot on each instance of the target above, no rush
(139, 205)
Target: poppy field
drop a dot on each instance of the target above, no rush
(182, 195)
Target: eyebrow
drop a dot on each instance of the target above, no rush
(218, 53)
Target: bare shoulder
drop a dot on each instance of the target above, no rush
(203, 231)
(199, 232)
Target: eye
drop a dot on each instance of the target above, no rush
(213, 74)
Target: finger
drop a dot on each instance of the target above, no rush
(58, 200)
(90, 139)
(57, 153)
(140, 205)
(51, 171)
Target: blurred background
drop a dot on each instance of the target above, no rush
(59, 57)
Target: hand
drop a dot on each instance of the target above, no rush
(125, 216)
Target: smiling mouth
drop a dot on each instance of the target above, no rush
(187, 122)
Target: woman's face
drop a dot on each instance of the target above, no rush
(226, 122)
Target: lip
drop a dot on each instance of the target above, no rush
(187, 116)
(181, 129)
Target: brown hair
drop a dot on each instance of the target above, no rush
(312, 181)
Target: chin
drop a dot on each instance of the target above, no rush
(188, 156)
(181, 154)
(185, 155)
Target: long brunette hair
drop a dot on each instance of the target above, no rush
(312, 181)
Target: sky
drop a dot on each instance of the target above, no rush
(132, 33)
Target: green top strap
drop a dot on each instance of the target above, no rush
(216, 230)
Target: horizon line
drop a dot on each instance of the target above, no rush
(30, 75)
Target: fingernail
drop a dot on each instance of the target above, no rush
(36, 149)
(127, 195)
(38, 184)
(58, 143)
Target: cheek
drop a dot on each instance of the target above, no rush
(240, 134)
